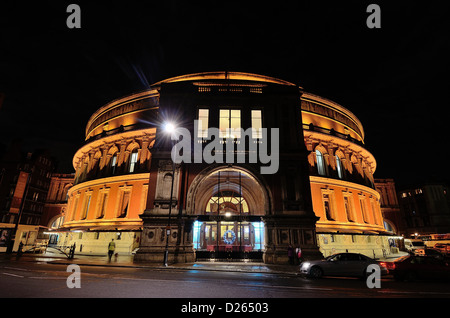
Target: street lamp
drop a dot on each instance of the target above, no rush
(169, 128)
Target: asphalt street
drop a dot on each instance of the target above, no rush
(42, 279)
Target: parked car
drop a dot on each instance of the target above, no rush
(342, 264)
(434, 253)
(415, 246)
(414, 267)
(443, 248)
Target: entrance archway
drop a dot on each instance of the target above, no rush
(229, 203)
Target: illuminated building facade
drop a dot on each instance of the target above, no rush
(111, 176)
(342, 183)
(321, 198)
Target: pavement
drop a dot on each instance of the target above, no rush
(127, 261)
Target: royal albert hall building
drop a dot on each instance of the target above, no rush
(320, 198)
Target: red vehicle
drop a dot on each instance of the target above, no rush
(414, 267)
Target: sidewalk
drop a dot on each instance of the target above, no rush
(392, 257)
(127, 261)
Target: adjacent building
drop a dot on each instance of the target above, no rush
(55, 208)
(24, 182)
(426, 209)
(394, 221)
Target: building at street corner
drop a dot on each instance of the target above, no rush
(298, 173)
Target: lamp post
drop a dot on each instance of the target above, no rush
(169, 128)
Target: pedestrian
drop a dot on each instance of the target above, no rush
(111, 248)
(20, 250)
(291, 254)
(299, 255)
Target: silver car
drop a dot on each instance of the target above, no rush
(342, 264)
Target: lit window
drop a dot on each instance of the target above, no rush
(229, 123)
(374, 212)
(113, 163)
(74, 207)
(133, 160)
(256, 124)
(348, 209)
(124, 204)
(102, 204)
(203, 117)
(227, 202)
(362, 203)
(320, 163)
(327, 207)
(339, 167)
(87, 203)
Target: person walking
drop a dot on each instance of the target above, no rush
(111, 249)
(299, 255)
(291, 254)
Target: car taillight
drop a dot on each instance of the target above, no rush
(388, 265)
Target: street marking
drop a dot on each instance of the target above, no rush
(292, 287)
(412, 292)
(17, 269)
(41, 277)
(14, 275)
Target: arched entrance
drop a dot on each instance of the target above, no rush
(229, 203)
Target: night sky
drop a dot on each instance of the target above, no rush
(394, 79)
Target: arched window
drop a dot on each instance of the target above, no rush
(227, 202)
(133, 161)
(113, 163)
(320, 163)
(339, 167)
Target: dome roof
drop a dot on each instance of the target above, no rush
(225, 75)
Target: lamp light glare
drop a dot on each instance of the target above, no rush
(169, 127)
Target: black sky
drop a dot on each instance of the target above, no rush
(394, 79)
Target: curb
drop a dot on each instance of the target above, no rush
(185, 268)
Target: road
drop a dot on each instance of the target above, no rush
(43, 287)
(25, 279)
(176, 290)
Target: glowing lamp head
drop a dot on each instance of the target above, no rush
(169, 128)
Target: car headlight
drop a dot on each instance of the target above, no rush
(305, 265)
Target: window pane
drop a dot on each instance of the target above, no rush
(256, 124)
(235, 127)
(320, 163)
(125, 203)
(223, 127)
(103, 200)
(339, 167)
(235, 113)
(203, 116)
(363, 210)
(230, 123)
(113, 163)
(133, 160)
